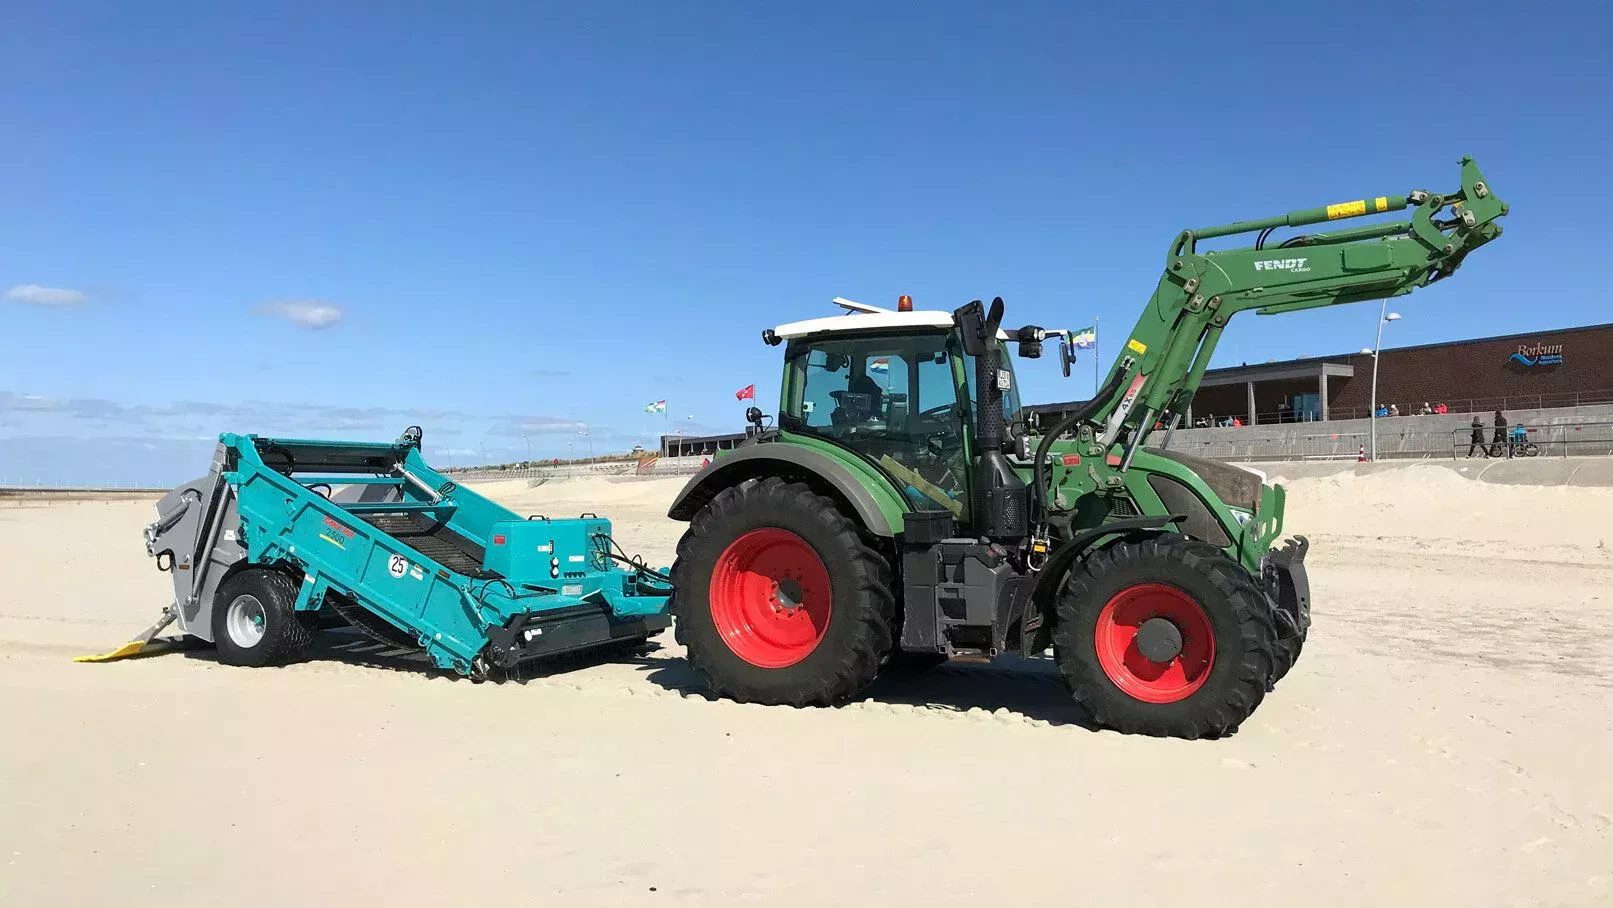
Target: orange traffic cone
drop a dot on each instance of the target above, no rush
(1362, 457)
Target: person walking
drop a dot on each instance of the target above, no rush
(1478, 438)
(1500, 437)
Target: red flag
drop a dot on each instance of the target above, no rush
(749, 391)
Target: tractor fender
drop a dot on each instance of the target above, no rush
(758, 460)
(1059, 563)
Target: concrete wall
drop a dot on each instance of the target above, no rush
(1569, 430)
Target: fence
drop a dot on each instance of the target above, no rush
(1563, 440)
(40, 485)
(1462, 407)
(663, 466)
(1411, 437)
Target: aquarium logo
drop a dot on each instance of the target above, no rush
(1538, 355)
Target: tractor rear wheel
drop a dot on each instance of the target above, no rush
(1166, 636)
(779, 599)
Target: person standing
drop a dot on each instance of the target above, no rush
(1500, 437)
(1478, 438)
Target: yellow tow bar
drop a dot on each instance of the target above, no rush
(146, 643)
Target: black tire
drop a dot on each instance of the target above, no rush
(1238, 617)
(285, 636)
(1290, 642)
(1284, 654)
(857, 633)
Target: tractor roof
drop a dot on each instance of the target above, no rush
(866, 321)
(869, 318)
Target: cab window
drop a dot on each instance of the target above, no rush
(891, 399)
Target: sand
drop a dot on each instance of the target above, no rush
(1444, 740)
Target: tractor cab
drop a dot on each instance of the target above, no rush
(895, 388)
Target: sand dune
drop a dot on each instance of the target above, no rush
(1444, 740)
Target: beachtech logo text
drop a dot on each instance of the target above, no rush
(1295, 265)
(1538, 355)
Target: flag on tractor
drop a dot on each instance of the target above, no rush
(657, 407)
(1086, 338)
(882, 364)
(746, 393)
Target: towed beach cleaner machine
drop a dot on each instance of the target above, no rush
(286, 536)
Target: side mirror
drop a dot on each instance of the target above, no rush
(1066, 355)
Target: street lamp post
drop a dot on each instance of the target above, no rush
(1384, 316)
(528, 439)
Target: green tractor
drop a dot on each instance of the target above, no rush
(906, 509)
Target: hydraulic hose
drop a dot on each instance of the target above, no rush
(1041, 479)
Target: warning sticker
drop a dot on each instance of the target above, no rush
(1136, 346)
(1072, 460)
(416, 572)
(396, 565)
(1347, 209)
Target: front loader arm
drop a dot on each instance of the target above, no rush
(1163, 361)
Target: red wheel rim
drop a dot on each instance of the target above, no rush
(1136, 674)
(770, 597)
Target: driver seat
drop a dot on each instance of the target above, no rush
(862, 384)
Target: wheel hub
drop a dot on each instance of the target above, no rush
(1159, 640)
(1155, 642)
(770, 597)
(245, 621)
(786, 596)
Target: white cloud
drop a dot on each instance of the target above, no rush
(539, 425)
(35, 295)
(315, 315)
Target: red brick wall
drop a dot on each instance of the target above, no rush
(1483, 370)
(1454, 374)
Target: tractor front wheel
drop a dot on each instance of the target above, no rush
(1166, 636)
(779, 599)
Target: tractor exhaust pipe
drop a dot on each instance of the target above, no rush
(1002, 503)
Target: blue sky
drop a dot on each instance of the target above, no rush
(507, 218)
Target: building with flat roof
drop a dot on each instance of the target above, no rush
(1559, 368)
(702, 445)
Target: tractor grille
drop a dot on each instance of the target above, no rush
(433, 540)
(1121, 506)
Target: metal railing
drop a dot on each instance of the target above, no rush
(1558, 440)
(1461, 407)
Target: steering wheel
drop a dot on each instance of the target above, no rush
(950, 434)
